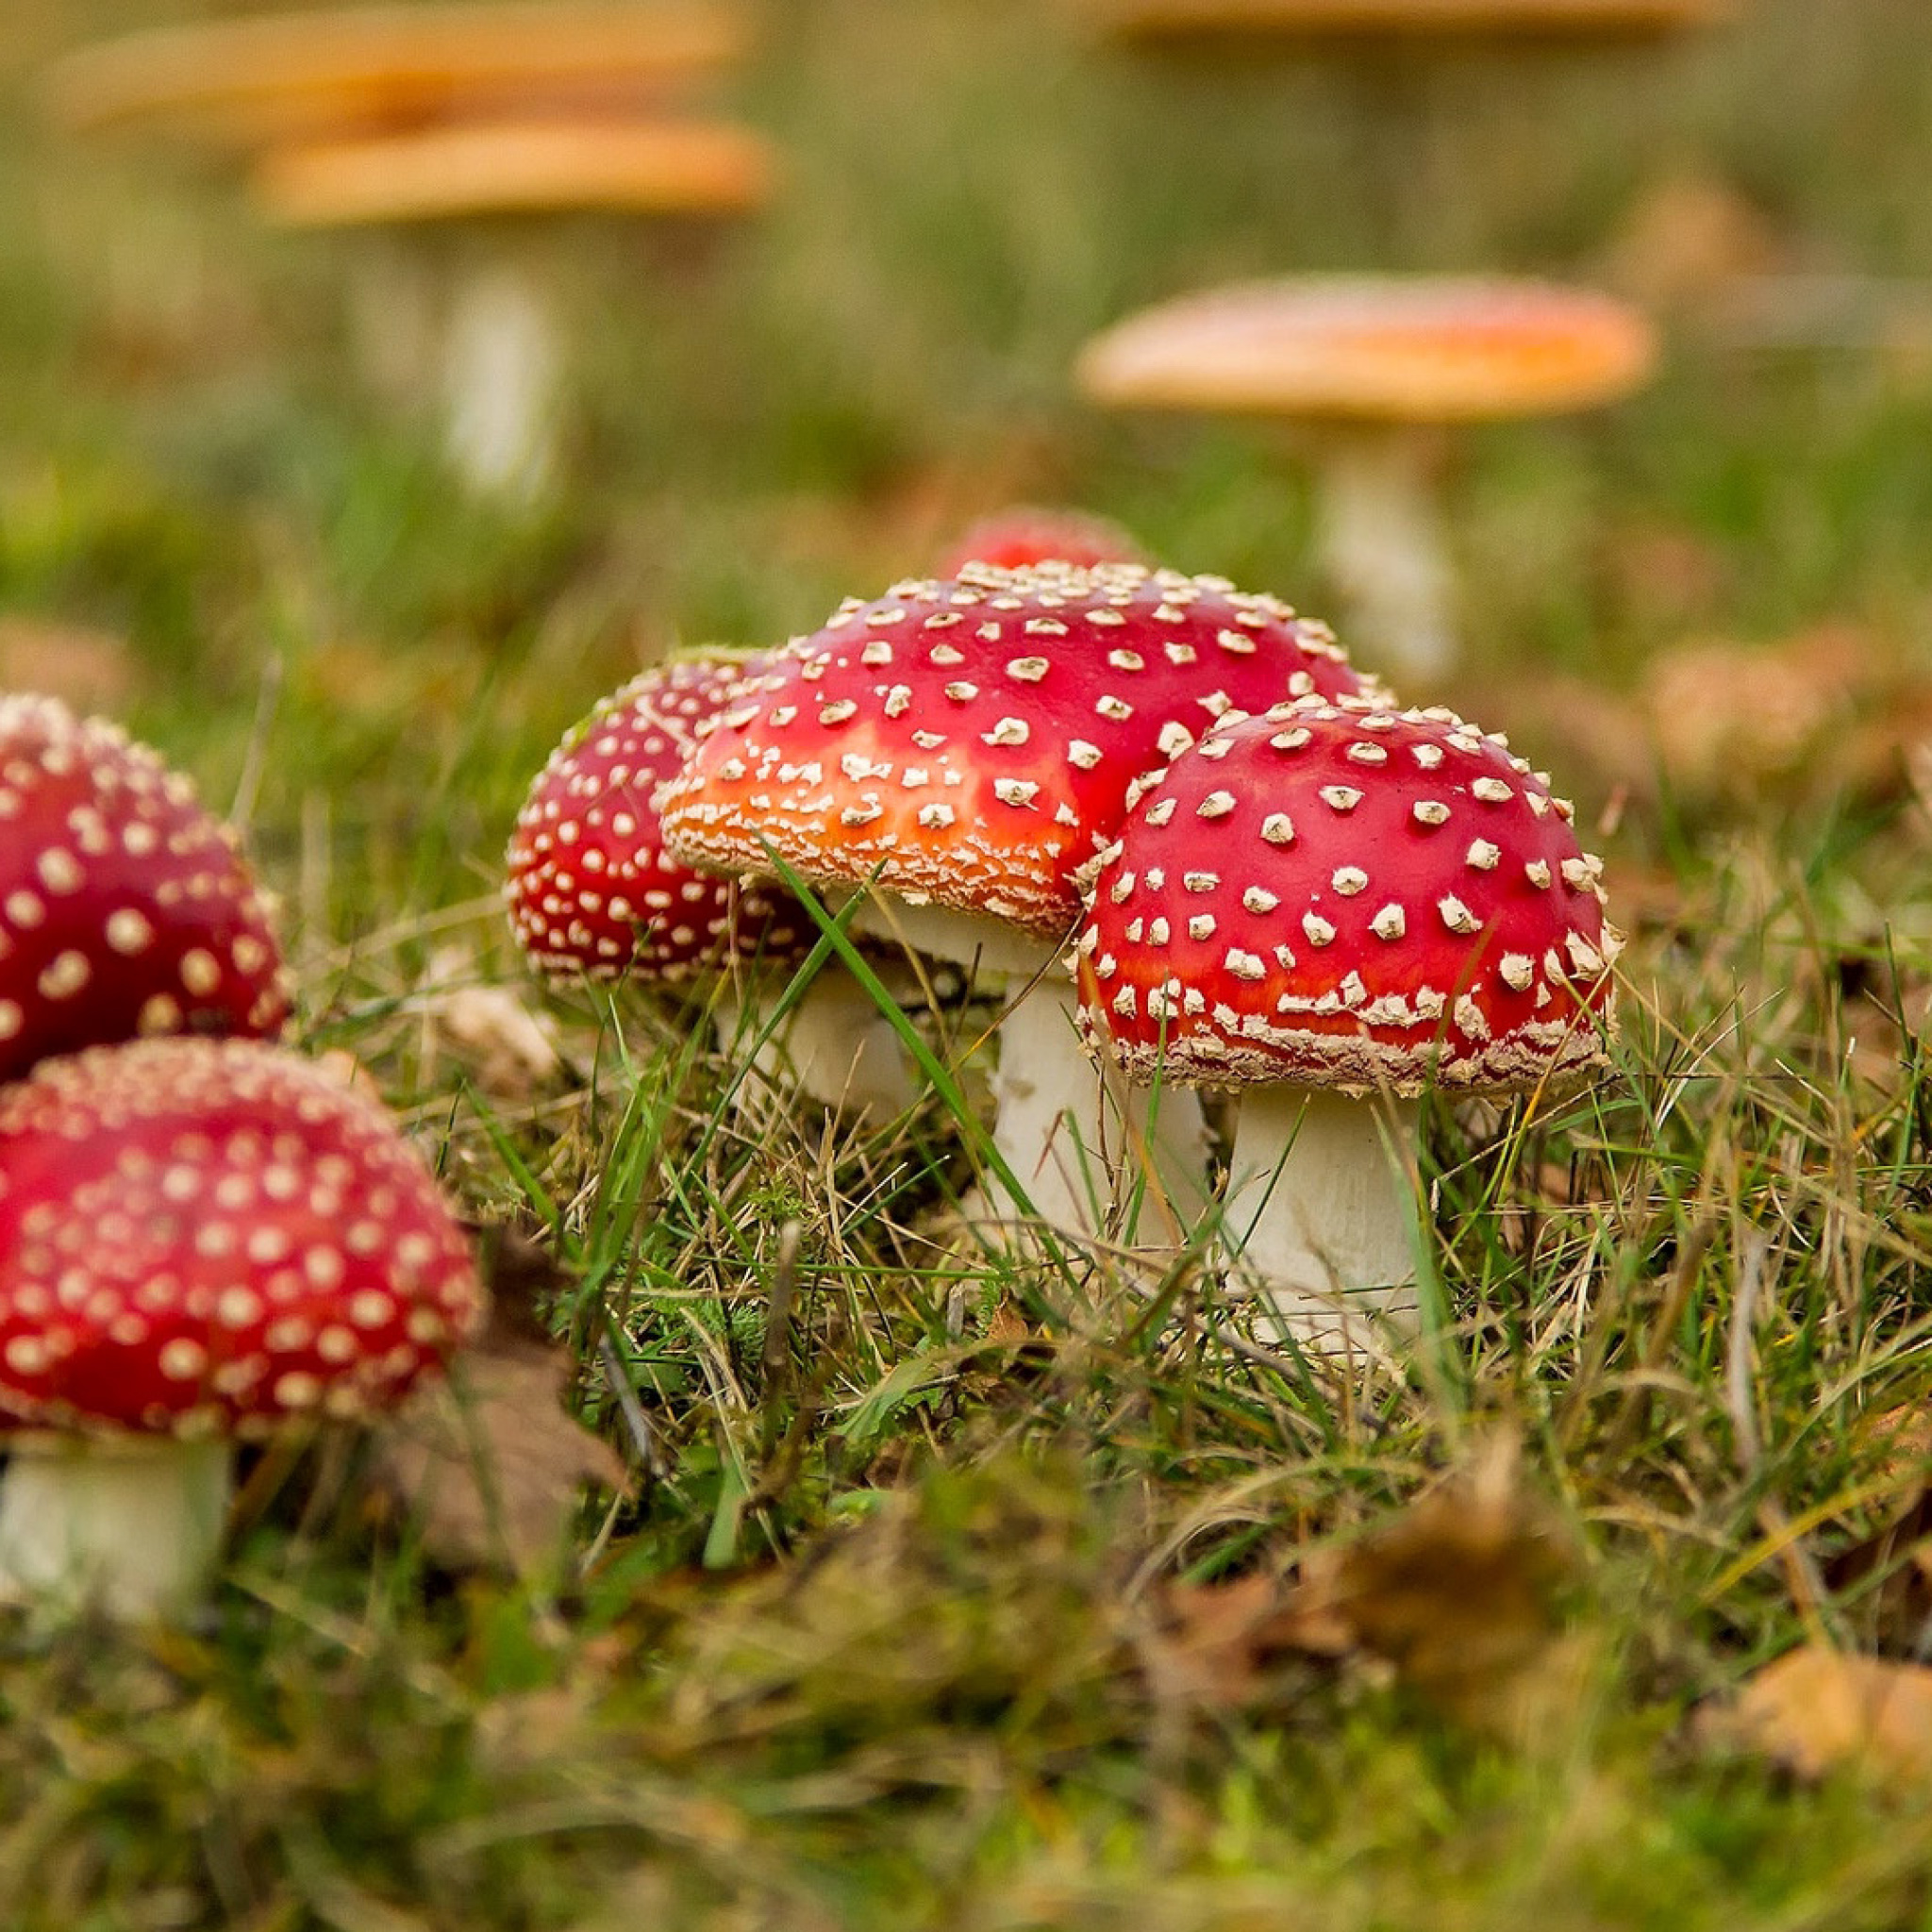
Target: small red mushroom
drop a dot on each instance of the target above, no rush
(124, 908)
(1019, 537)
(199, 1240)
(1332, 906)
(594, 894)
(968, 748)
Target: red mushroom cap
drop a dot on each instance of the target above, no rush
(123, 907)
(1349, 896)
(974, 742)
(201, 1236)
(1018, 539)
(591, 889)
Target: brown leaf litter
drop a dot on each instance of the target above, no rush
(488, 1465)
(1458, 1596)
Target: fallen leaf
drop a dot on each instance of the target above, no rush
(1217, 1639)
(90, 670)
(1688, 241)
(1816, 1709)
(1886, 1574)
(508, 1050)
(1459, 1594)
(488, 1463)
(1730, 718)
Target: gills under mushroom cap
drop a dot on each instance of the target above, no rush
(1348, 897)
(591, 889)
(204, 1236)
(124, 908)
(974, 742)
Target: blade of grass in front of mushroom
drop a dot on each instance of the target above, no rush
(834, 937)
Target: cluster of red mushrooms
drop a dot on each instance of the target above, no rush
(1191, 842)
(1182, 837)
(203, 1237)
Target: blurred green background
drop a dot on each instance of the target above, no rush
(201, 497)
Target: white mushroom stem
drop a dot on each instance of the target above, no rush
(1079, 1141)
(1070, 1137)
(502, 377)
(1379, 527)
(128, 1525)
(1319, 1217)
(835, 1046)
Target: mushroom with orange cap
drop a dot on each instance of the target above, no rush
(199, 1240)
(1379, 366)
(125, 906)
(1334, 907)
(1566, 19)
(966, 748)
(594, 894)
(274, 78)
(502, 344)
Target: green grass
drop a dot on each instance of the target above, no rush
(876, 1639)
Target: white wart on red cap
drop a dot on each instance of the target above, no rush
(591, 889)
(1347, 896)
(973, 743)
(124, 908)
(199, 1237)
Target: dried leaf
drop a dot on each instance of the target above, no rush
(1217, 1638)
(1815, 1709)
(1730, 718)
(1689, 241)
(1888, 1572)
(90, 670)
(509, 1051)
(487, 1464)
(1459, 1593)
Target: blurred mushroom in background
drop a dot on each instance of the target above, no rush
(1376, 369)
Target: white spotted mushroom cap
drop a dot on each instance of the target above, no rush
(124, 908)
(974, 742)
(1353, 897)
(202, 1236)
(591, 891)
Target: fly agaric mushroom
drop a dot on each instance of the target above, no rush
(594, 894)
(967, 748)
(1381, 366)
(199, 1240)
(1335, 907)
(1019, 537)
(124, 908)
(502, 344)
(277, 79)
(1569, 19)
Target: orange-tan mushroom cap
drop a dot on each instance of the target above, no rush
(1399, 349)
(509, 167)
(1178, 19)
(285, 76)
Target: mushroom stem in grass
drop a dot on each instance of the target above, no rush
(1320, 1218)
(130, 1524)
(1061, 1127)
(502, 378)
(1383, 546)
(1074, 1134)
(833, 1045)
